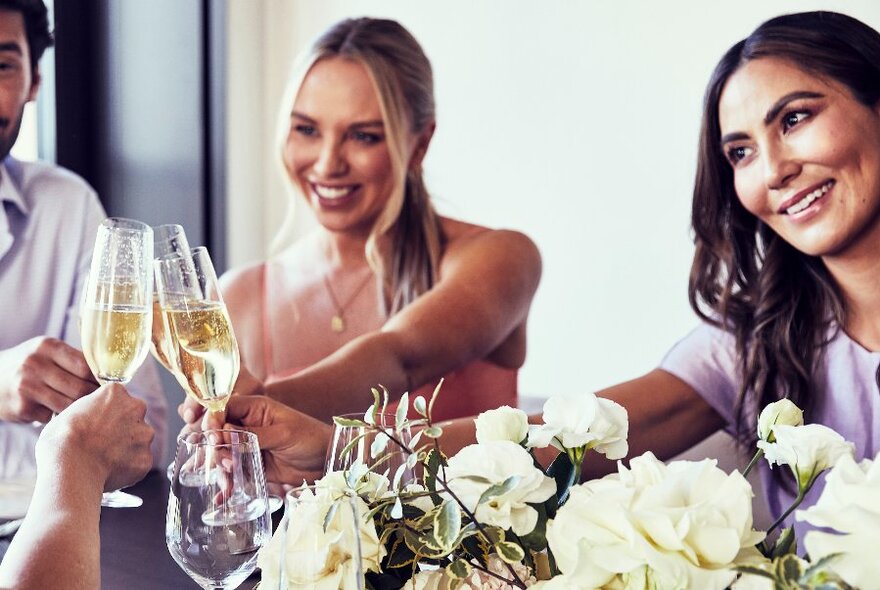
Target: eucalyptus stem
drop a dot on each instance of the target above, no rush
(759, 454)
(442, 480)
(789, 510)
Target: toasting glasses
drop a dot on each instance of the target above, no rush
(202, 350)
(213, 539)
(169, 240)
(116, 310)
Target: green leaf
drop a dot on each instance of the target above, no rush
(510, 552)
(785, 544)
(348, 422)
(499, 489)
(447, 524)
(402, 410)
(753, 570)
(434, 461)
(789, 568)
(420, 406)
(459, 569)
(537, 539)
(379, 444)
(433, 398)
(563, 472)
(397, 509)
(346, 450)
(433, 432)
(328, 518)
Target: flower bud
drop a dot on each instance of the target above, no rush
(781, 412)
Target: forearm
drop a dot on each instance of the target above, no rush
(58, 543)
(666, 417)
(341, 383)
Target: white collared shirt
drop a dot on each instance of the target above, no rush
(48, 222)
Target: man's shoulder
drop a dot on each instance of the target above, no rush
(40, 182)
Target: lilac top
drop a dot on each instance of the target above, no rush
(48, 221)
(848, 399)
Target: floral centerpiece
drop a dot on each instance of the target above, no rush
(491, 517)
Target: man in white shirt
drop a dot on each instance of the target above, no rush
(48, 221)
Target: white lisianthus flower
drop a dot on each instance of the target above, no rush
(504, 423)
(557, 583)
(807, 450)
(367, 483)
(476, 468)
(583, 421)
(437, 579)
(316, 557)
(849, 504)
(680, 525)
(783, 411)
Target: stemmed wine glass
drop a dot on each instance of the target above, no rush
(203, 352)
(116, 310)
(169, 240)
(219, 551)
(352, 446)
(319, 533)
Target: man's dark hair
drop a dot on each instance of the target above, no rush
(36, 26)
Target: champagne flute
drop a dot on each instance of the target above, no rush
(351, 446)
(217, 553)
(116, 309)
(204, 352)
(168, 240)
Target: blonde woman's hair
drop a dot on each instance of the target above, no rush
(402, 76)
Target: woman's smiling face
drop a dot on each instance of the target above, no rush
(805, 155)
(336, 148)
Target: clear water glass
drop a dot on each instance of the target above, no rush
(218, 515)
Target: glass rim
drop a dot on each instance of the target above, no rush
(126, 224)
(250, 437)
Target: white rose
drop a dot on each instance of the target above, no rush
(368, 484)
(780, 412)
(807, 450)
(676, 525)
(504, 423)
(592, 537)
(557, 583)
(849, 504)
(476, 468)
(583, 421)
(320, 558)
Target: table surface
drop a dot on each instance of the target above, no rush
(133, 551)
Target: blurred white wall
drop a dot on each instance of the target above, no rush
(575, 122)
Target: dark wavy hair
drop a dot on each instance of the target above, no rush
(778, 302)
(36, 26)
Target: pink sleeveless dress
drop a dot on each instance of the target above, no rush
(474, 388)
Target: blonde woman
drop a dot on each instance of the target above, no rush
(385, 290)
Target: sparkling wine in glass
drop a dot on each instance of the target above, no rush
(116, 309)
(214, 542)
(204, 352)
(169, 240)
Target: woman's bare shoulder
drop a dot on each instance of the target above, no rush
(467, 239)
(241, 278)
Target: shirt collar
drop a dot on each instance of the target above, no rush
(9, 187)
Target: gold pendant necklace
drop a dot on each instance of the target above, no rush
(337, 322)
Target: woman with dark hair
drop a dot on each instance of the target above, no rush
(786, 273)
(385, 290)
(786, 215)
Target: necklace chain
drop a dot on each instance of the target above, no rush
(337, 322)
